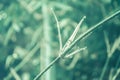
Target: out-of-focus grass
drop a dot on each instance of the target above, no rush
(21, 26)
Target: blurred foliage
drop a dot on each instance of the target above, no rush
(21, 31)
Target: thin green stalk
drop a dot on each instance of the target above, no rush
(77, 40)
(74, 52)
(49, 66)
(58, 28)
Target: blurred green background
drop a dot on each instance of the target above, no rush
(29, 39)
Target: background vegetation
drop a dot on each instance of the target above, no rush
(29, 39)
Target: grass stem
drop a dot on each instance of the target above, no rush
(76, 41)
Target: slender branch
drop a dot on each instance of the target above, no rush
(77, 40)
(75, 52)
(49, 66)
(72, 37)
(58, 28)
(76, 29)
